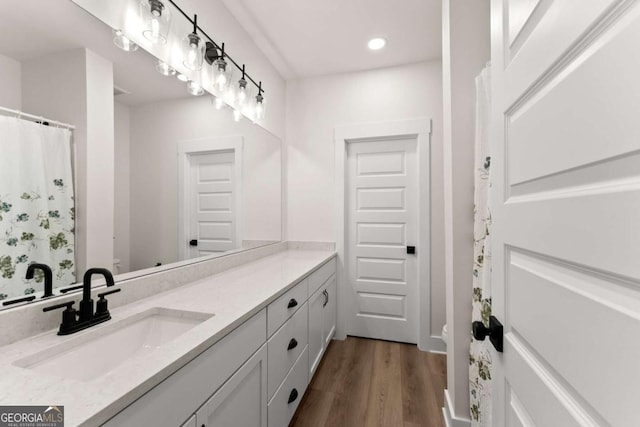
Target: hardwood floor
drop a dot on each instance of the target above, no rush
(363, 382)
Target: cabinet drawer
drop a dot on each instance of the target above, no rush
(179, 396)
(285, 346)
(287, 398)
(282, 308)
(318, 277)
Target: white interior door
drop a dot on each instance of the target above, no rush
(213, 215)
(381, 222)
(566, 240)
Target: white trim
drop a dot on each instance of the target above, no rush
(421, 129)
(449, 419)
(200, 146)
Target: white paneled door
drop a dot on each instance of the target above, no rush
(566, 210)
(212, 203)
(381, 222)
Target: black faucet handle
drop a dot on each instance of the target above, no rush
(102, 307)
(104, 294)
(68, 305)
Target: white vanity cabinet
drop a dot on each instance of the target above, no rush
(255, 376)
(242, 400)
(322, 314)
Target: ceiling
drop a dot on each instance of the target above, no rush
(29, 32)
(309, 37)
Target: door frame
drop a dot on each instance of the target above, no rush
(190, 147)
(421, 130)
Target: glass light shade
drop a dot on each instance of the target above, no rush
(194, 88)
(164, 68)
(123, 42)
(259, 107)
(221, 75)
(156, 19)
(182, 77)
(242, 94)
(193, 51)
(219, 102)
(237, 115)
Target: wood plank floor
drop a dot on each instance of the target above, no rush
(362, 382)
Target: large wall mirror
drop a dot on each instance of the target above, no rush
(170, 177)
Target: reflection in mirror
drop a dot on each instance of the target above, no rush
(145, 175)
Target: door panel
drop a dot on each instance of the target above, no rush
(381, 222)
(213, 209)
(566, 175)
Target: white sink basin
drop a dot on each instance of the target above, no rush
(95, 353)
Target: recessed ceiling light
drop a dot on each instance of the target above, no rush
(377, 43)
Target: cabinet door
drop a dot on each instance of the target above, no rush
(329, 312)
(316, 336)
(242, 400)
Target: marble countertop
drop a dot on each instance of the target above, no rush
(233, 296)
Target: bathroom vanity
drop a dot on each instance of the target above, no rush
(235, 348)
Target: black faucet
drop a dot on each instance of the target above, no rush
(48, 277)
(74, 321)
(86, 305)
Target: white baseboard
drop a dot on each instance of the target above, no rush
(449, 419)
(433, 344)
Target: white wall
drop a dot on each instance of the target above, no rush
(156, 130)
(122, 208)
(316, 105)
(76, 87)
(10, 83)
(465, 50)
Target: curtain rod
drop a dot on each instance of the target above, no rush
(20, 114)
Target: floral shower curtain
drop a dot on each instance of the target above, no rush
(37, 212)
(480, 354)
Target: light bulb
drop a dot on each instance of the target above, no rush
(259, 107)
(237, 115)
(194, 52)
(194, 88)
(219, 102)
(155, 29)
(164, 68)
(221, 82)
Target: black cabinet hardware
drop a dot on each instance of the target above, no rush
(293, 396)
(326, 298)
(411, 250)
(495, 332)
(193, 242)
(292, 344)
(292, 303)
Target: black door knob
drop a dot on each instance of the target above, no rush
(293, 396)
(292, 344)
(193, 242)
(292, 303)
(411, 250)
(495, 332)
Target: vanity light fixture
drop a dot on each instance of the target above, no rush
(193, 48)
(164, 68)
(259, 104)
(156, 19)
(194, 88)
(221, 74)
(242, 93)
(123, 42)
(377, 43)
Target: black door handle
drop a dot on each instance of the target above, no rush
(293, 396)
(495, 332)
(292, 303)
(411, 250)
(292, 344)
(326, 298)
(193, 242)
